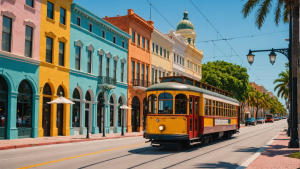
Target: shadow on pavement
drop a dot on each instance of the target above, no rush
(224, 165)
(248, 149)
(275, 150)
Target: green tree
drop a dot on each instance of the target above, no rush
(282, 83)
(258, 100)
(227, 76)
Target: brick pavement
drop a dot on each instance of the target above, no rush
(31, 142)
(276, 155)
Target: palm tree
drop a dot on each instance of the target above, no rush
(283, 81)
(258, 100)
(264, 9)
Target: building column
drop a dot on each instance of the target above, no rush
(95, 129)
(35, 116)
(66, 120)
(107, 116)
(12, 131)
(71, 118)
(83, 129)
(53, 128)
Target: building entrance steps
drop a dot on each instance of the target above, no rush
(31, 142)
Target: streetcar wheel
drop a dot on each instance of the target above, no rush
(211, 138)
(229, 135)
(206, 140)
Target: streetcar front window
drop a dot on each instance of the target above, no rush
(180, 104)
(152, 100)
(165, 103)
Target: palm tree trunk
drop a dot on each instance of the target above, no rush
(256, 112)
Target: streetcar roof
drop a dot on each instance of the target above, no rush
(185, 87)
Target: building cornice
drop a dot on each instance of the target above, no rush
(101, 22)
(159, 35)
(179, 40)
(19, 58)
(141, 21)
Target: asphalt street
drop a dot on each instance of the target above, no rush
(133, 152)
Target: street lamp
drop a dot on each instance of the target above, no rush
(272, 56)
(250, 57)
(123, 107)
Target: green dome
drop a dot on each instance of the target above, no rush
(185, 23)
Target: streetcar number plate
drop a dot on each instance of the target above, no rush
(221, 121)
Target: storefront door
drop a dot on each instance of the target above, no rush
(135, 115)
(59, 119)
(46, 116)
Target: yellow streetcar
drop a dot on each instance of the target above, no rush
(183, 111)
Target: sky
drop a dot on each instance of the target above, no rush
(226, 17)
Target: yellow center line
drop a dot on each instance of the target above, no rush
(69, 158)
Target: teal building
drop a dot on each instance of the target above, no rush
(98, 74)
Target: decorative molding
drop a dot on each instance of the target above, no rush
(108, 55)
(90, 47)
(159, 35)
(141, 21)
(116, 58)
(19, 58)
(62, 39)
(101, 52)
(99, 21)
(123, 60)
(8, 13)
(78, 43)
(29, 23)
(50, 34)
(29, 7)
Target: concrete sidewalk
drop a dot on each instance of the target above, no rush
(277, 155)
(31, 142)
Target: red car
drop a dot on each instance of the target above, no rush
(269, 118)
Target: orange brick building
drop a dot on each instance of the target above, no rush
(139, 64)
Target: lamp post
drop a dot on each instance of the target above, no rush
(123, 107)
(294, 142)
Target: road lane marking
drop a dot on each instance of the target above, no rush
(69, 158)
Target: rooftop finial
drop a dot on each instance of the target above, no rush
(185, 15)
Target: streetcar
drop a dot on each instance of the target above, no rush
(183, 111)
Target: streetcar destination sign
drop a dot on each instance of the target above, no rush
(222, 121)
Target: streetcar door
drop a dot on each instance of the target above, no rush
(196, 116)
(191, 117)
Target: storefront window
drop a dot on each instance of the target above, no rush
(3, 104)
(120, 112)
(76, 109)
(24, 101)
(111, 101)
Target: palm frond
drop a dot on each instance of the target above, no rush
(248, 7)
(277, 11)
(262, 13)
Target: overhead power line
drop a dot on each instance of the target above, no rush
(240, 37)
(225, 40)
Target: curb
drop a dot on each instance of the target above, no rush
(256, 154)
(63, 142)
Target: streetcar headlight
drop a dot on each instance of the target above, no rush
(161, 127)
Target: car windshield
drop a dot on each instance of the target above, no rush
(269, 116)
(260, 119)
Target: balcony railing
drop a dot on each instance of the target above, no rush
(142, 83)
(153, 83)
(107, 80)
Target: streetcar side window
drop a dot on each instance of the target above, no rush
(180, 104)
(165, 103)
(152, 101)
(209, 107)
(217, 108)
(213, 108)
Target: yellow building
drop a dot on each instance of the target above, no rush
(194, 56)
(161, 56)
(54, 68)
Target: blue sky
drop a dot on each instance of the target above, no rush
(226, 17)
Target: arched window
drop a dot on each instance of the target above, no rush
(189, 40)
(111, 101)
(152, 100)
(3, 85)
(100, 110)
(165, 103)
(76, 94)
(47, 89)
(180, 104)
(60, 91)
(24, 109)
(88, 96)
(120, 111)
(76, 109)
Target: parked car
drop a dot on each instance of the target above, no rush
(250, 121)
(280, 118)
(276, 119)
(261, 120)
(269, 118)
(284, 117)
